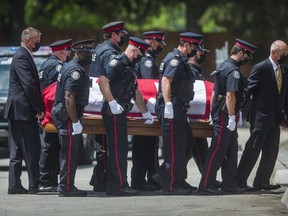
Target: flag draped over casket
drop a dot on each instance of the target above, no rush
(199, 107)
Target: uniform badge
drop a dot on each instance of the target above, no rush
(113, 62)
(41, 75)
(174, 62)
(236, 74)
(161, 66)
(59, 77)
(75, 75)
(58, 68)
(148, 63)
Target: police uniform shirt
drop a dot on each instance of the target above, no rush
(174, 66)
(49, 71)
(147, 67)
(104, 52)
(116, 67)
(78, 82)
(196, 71)
(233, 77)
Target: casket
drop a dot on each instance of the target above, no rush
(92, 120)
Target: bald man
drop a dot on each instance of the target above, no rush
(267, 86)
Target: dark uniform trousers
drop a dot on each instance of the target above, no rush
(23, 145)
(177, 145)
(49, 160)
(221, 153)
(200, 146)
(99, 172)
(69, 154)
(261, 139)
(144, 159)
(117, 146)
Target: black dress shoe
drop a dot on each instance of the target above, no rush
(161, 181)
(232, 190)
(74, 192)
(48, 189)
(33, 190)
(177, 190)
(217, 184)
(144, 187)
(99, 188)
(186, 185)
(267, 187)
(209, 191)
(18, 190)
(247, 188)
(126, 191)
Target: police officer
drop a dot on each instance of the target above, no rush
(49, 158)
(122, 88)
(71, 97)
(228, 90)
(200, 145)
(145, 148)
(175, 93)
(115, 36)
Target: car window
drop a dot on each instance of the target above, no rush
(4, 77)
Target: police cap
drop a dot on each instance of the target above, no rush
(84, 45)
(115, 26)
(191, 37)
(61, 45)
(155, 35)
(139, 43)
(247, 47)
(201, 47)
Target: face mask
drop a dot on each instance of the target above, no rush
(137, 59)
(122, 41)
(243, 61)
(191, 54)
(201, 59)
(157, 50)
(283, 59)
(85, 59)
(36, 48)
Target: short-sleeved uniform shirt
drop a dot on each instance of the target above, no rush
(49, 71)
(104, 52)
(147, 67)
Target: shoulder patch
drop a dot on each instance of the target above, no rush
(75, 75)
(113, 62)
(58, 67)
(236, 74)
(174, 62)
(148, 63)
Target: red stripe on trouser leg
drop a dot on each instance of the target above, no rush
(216, 149)
(172, 154)
(69, 156)
(116, 151)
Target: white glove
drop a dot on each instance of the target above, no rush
(115, 107)
(77, 128)
(168, 111)
(232, 123)
(240, 121)
(210, 120)
(149, 117)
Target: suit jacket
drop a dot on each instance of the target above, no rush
(24, 98)
(267, 103)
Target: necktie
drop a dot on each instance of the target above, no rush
(278, 78)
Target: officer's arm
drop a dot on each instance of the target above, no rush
(140, 102)
(166, 88)
(231, 102)
(104, 85)
(70, 104)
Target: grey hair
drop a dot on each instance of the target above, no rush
(28, 33)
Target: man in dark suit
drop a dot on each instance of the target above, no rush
(267, 92)
(24, 108)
